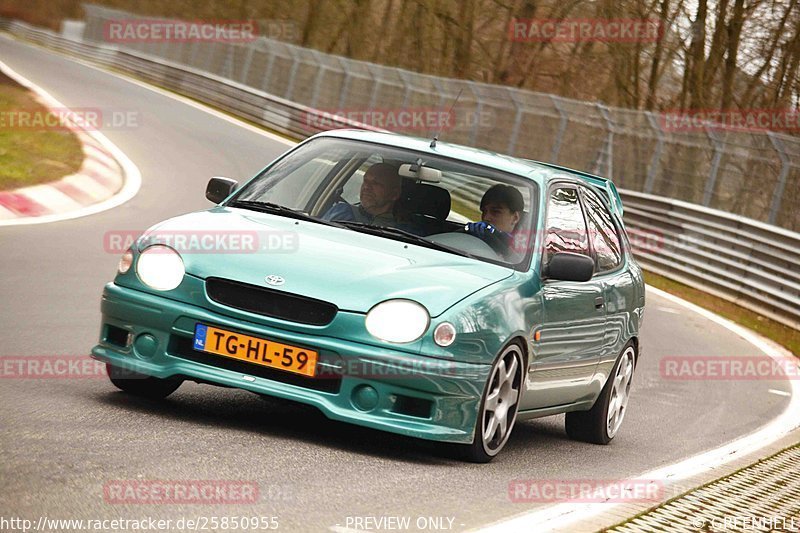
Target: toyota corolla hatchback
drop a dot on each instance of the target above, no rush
(405, 285)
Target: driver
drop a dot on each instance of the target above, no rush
(380, 191)
(501, 210)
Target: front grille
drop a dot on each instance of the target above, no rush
(272, 303)
(183, 347)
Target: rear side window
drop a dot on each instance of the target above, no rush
(602, 232)
(566, 228)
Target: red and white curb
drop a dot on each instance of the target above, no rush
(107, 178)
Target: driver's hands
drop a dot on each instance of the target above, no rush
(498, 240)
(480, 229)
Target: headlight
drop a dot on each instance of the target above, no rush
(125, 262)
(160, 267)
(398, 321)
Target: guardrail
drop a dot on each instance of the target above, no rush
(750, 263)
(745, 261)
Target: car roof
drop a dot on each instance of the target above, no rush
(537, 171)
(485, 158)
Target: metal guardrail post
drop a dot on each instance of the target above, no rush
(193, 53)
(473, 135)
(227, 66)
(375, 85)
(162, 52)
(318, 78)
(711, 182)
(406, 88)
(656, 159)
(777, 195)
(292, 74)
(248, 60)
(208, 56)
(607, 150)
(562, 128)
(441, 92)
(268, 69)
(512, 140)
(346, 85)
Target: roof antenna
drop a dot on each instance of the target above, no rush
(436, 137)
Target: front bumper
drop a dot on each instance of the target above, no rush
(400, 392)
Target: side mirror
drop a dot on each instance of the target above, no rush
(569, 266)
(220, 188)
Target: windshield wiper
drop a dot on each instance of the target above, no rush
(276, 209)
(405, 236)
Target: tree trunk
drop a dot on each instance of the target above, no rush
(734, 32)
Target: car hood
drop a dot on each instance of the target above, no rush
(352, 270)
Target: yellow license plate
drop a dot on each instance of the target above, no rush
(255, 350)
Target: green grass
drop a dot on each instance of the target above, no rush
(783, 335)
(29, 155)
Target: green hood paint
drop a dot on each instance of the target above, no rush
(353, 270)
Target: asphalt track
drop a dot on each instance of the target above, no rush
(62, 440)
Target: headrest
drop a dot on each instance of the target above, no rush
(424, 199)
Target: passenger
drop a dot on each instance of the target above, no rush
(501, 210)
(378, 197)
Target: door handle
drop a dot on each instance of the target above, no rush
(599, 302)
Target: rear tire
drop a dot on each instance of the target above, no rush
(498, 410)
(600, 424)
(141, 384)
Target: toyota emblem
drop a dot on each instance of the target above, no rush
(274, 280)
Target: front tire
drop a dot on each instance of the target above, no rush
(601, 423)
(140, 384)
(498, 410)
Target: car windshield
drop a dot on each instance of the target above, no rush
(403, 195)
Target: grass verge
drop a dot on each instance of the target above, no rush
(33, 153)
(783, 335)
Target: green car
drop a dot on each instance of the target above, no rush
(398, 283)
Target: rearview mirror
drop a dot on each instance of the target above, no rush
(569, 266)
(219, 188)
(419, 172)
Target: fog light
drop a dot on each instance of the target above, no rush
(365, 398)
(145, 346)
(444, 334)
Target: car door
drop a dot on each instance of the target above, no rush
(619, 286)
(573, 315)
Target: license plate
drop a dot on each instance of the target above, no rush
(255, 350)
